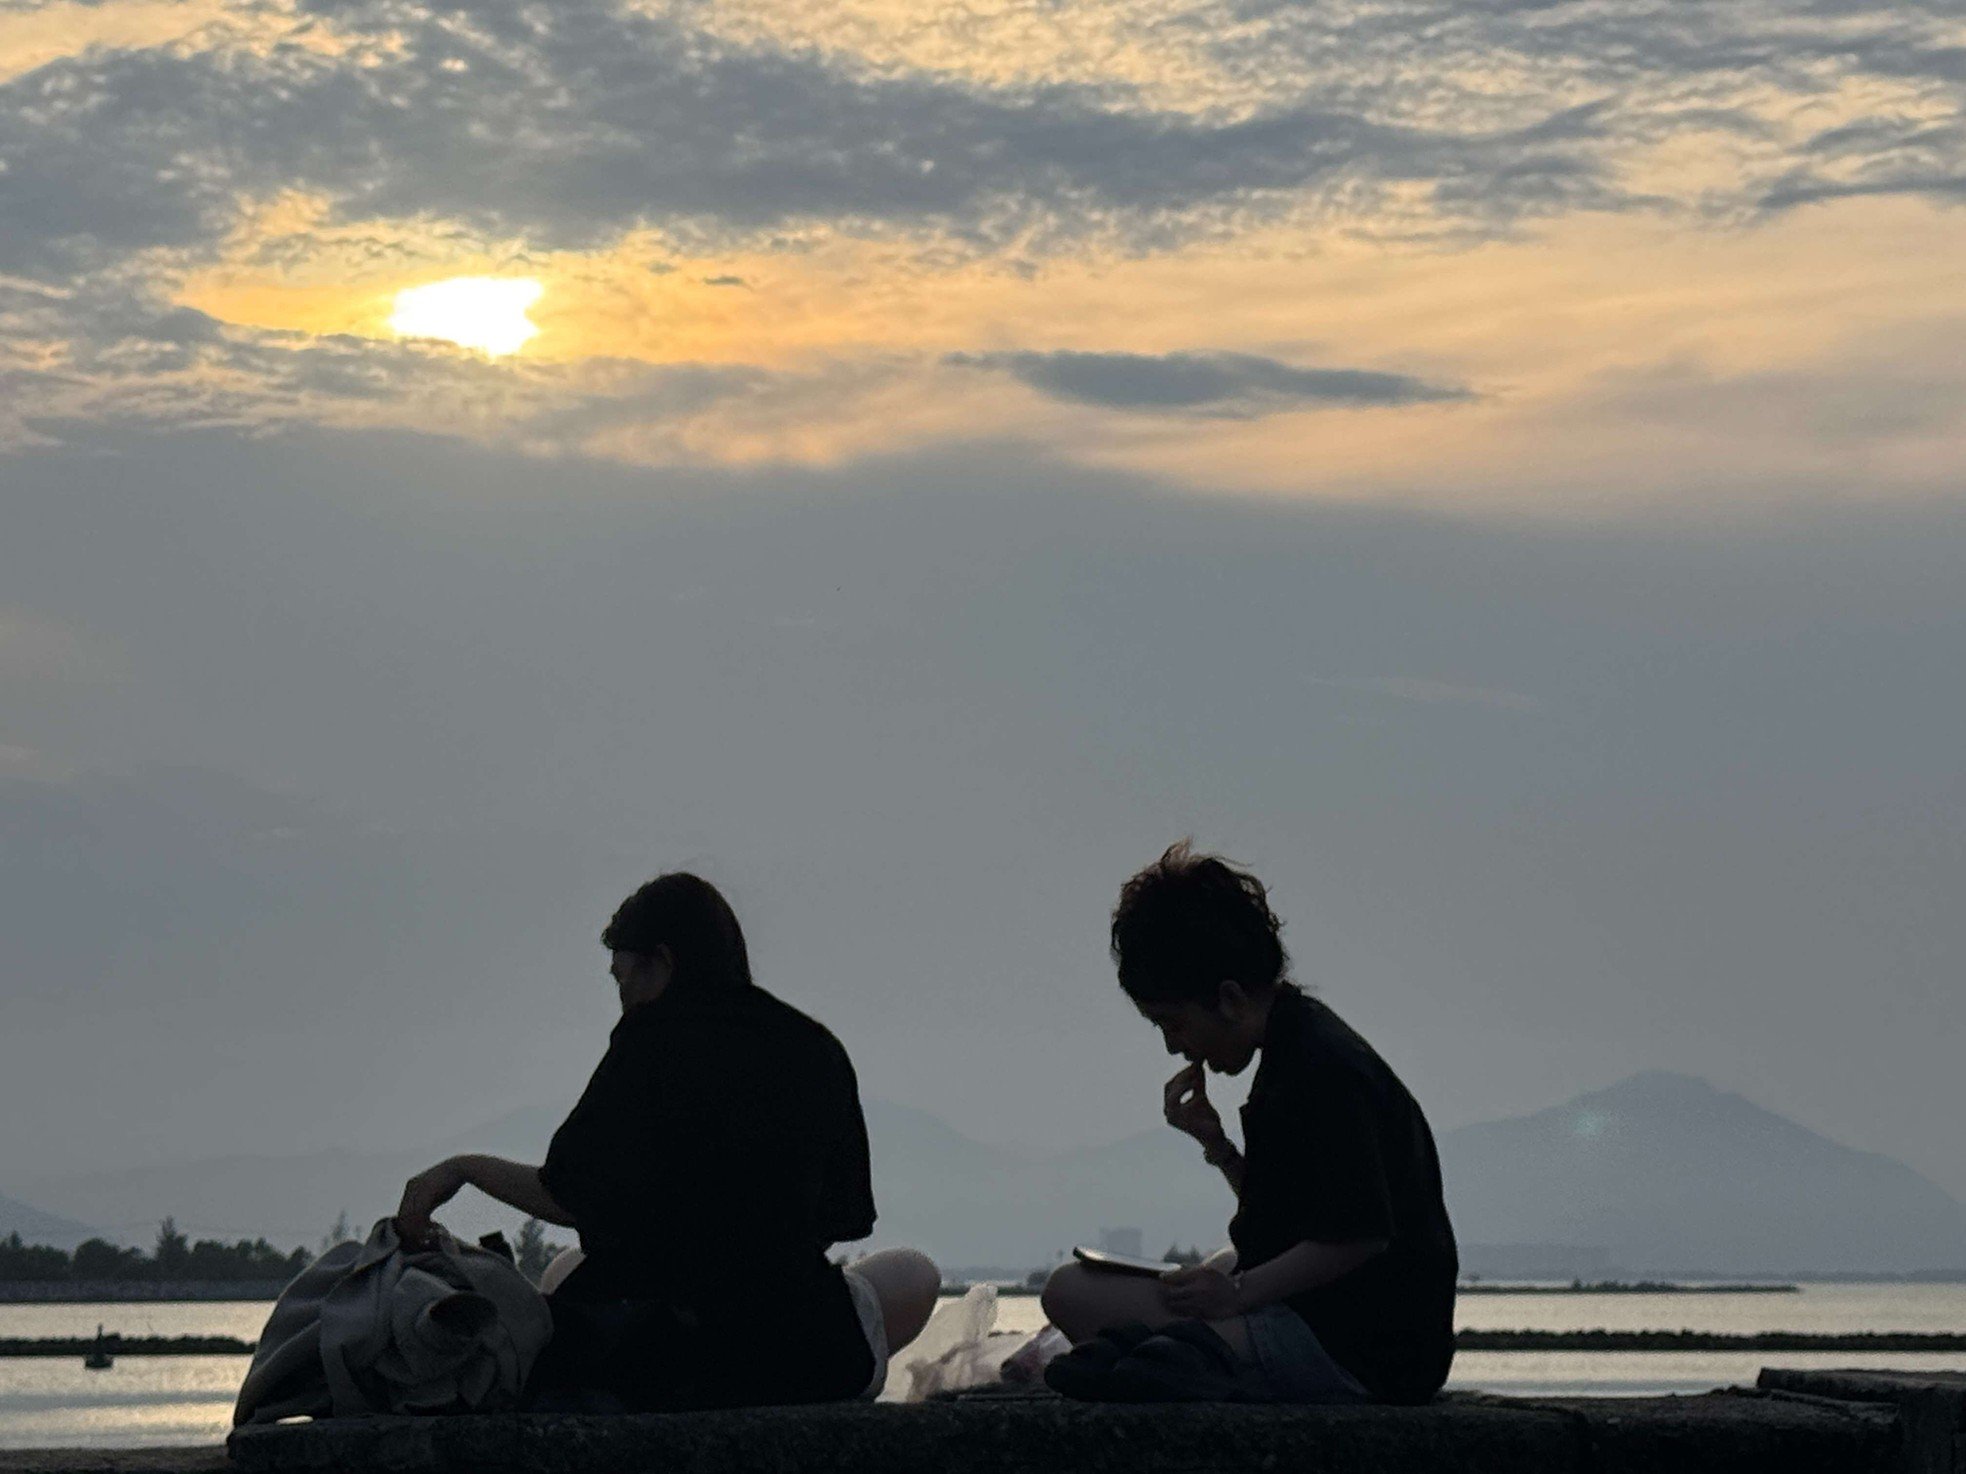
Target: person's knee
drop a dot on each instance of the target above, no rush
(908, 1283)
(918, 1284)
(1062, 1296)
(923, 1278)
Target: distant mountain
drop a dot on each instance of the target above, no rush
(37, 1227)
(1669, 1175)
(293, 1200)
(1657, 1174)
(966, 1203)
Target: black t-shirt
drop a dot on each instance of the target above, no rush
(1335, 1149)
(717, 1153)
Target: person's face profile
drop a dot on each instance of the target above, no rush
(1217, 1035)
(640, 977)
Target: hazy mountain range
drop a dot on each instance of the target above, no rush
(36, 1227)
(1662, 1172)
(1669, 1174)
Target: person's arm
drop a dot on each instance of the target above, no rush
(1209, 1294)
(1221, 1154)
(1185, 1103)
(1325, 1177)
(1302, 1267)
(513, 1183)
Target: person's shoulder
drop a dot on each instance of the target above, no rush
(1326, 1055)
(793, 1024)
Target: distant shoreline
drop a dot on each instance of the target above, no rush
(1468, 1340)
(1487, 1287)
(117, 1292)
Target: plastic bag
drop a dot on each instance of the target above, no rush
(956, 1349)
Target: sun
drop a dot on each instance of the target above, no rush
(483, 312)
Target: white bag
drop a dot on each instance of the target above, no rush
(956, 1349)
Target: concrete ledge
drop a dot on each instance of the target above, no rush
(1469, 1435)
(1797, 1423)
(1930, 1407)
(211, 1460)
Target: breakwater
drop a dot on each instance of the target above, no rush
(125, 1345)
(1627, 1287)
(1601, 1340)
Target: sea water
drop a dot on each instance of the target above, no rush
(157, 1400)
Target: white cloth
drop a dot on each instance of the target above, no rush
(370, 1328)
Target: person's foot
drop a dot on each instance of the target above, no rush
(1085, 1372)
(1187, 1361)
(1025, 1366)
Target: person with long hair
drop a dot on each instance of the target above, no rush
(715, 1158)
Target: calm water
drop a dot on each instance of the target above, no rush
(188, 1399)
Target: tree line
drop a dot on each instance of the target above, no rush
(173, 1257)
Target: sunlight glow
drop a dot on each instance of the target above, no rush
(483, 312)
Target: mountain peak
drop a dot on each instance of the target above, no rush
(1662, 1084)
(1668, 1173)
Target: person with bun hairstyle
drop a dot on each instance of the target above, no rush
(1340, 1285)
(716, 1156)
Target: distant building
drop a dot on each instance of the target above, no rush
(1121, 1241)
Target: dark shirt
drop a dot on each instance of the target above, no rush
(717, 1153)
(1336, 1150)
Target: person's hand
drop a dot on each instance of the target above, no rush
(1201, 1293)
(423, 1195)
(1185, 1103)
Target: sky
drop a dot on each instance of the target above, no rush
(1492, 467)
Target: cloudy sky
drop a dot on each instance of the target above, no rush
(1492, 466)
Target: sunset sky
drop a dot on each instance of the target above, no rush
(1494, 466)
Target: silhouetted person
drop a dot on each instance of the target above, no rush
(1341, 1284)
(715, 1157)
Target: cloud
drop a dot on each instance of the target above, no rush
(473, 674)
(1221, 385)
(571, 126)
(575, 129)
(1283, 139)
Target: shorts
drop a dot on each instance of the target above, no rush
(873, 1325)
(1291, 1362)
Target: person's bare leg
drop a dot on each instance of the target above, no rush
(1083, 1302)
(908, 1283)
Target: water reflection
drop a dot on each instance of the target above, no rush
(186, 1400)
(142, 1400)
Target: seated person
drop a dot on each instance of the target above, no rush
(1341, 1287)
(716, 1156)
